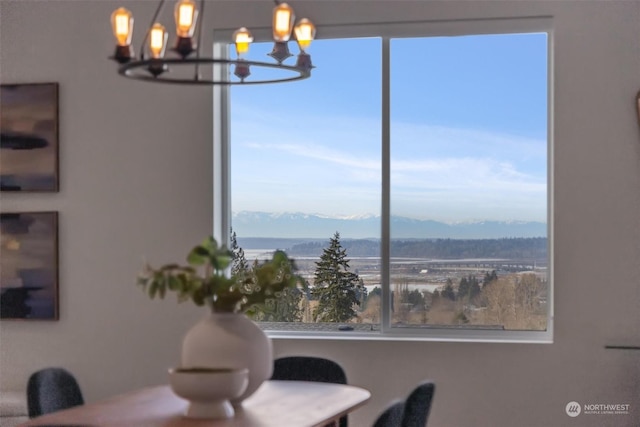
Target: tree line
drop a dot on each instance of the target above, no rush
(512, 301)
(336, 291)
(510, 248)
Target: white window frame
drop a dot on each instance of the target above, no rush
(387, 31)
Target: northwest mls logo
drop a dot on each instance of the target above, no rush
(573, 409)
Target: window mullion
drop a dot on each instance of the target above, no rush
(221, 152)
(385, 212)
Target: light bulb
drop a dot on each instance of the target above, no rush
(283, 18)
(305, 33)
(157, 40)
(242, 38)
(13, 245)
(186, 15)
(122, 25)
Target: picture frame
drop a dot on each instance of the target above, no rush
(29, 266)
(29, 139)
(638, 106)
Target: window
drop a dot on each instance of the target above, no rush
(422, 159)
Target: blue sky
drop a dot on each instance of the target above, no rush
(468, 131)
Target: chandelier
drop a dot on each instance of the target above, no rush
(153, 66)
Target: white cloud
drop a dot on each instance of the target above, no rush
(333, 162)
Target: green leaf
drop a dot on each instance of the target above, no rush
(279, 258)
(174, 283)
(153, 287)
(162, 290)
(142, 281)
(198, 298)
(209, 244)
(221, 261)
(249, 288)
(198, 256)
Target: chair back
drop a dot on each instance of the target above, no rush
(418, 405)
(392, 416)
(308, 368)
(50, 390)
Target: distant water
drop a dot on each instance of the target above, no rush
(259, 254)
(420, 287)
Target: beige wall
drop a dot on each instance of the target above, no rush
(135, 180)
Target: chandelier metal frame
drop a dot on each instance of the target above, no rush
(157, 70)
(134, 70)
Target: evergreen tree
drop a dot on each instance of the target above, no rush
(489, 280)
(335, 287)
(463, 289)
(468, 289)
(239, 260)
(474, 289)
(361, 293)
(416, 299)
(489, 277)
(448, 291)
(286, 308)
(375, 292)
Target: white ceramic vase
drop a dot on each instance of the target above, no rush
(229, 340)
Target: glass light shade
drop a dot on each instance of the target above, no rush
(122, 25)
(157, 40)
(283, 18)
(242, 38)
(186, 15)
(13, 245)
(305, 33)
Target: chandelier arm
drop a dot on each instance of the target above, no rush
(153, 20)
(198, 41)
(131, 69)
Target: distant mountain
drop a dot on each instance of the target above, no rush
(299, 225)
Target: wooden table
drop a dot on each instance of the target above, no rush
(274, 404)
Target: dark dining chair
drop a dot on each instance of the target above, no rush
(50, 390)
(309, 368)
(418, 405)
(392, 416)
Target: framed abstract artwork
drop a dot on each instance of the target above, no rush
(29, 266)
(29, 137)
(638, 106)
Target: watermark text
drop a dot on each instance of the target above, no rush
(573, 409)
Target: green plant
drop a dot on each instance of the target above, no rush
(206, 279)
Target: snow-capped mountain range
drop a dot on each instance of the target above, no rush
(303, 225)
